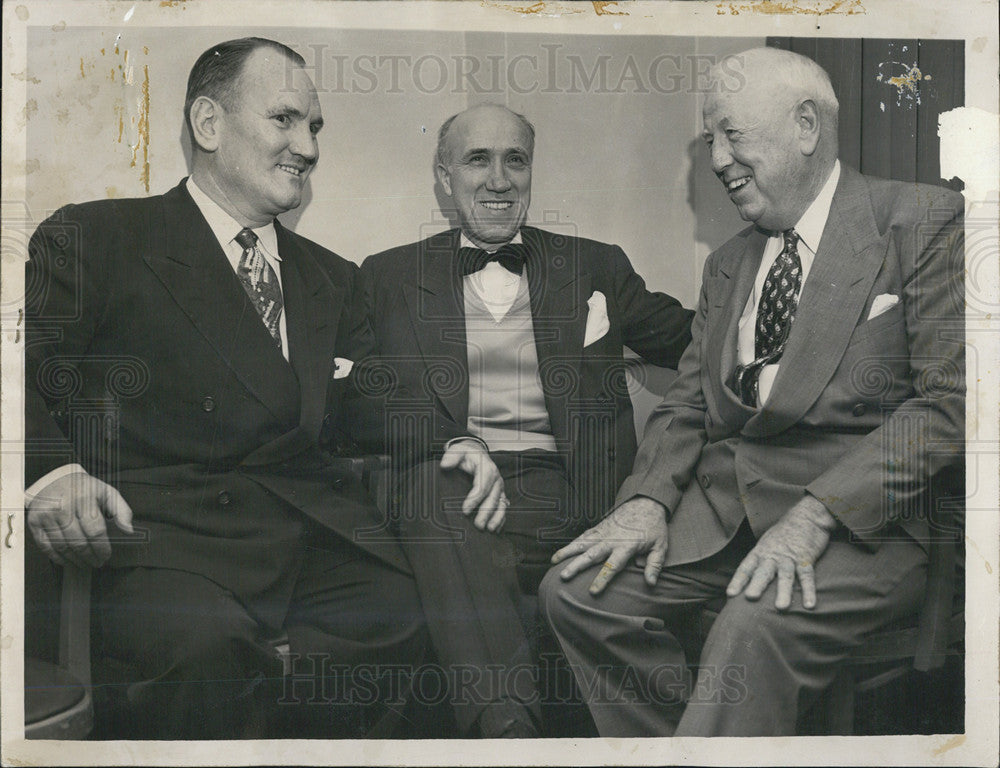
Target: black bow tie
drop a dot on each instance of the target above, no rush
(511, 257)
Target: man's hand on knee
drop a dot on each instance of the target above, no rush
(637, 527)
(486, 499)
(788, 550)
(67, 519)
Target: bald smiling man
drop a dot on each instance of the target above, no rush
(509, 420)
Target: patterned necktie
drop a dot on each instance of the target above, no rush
(261, 283)
(775, 314)
(510, 256)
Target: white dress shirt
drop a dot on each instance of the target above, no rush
(810, 229)
(226, 228)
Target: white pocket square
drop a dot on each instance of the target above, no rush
(883, 302)
(341, 367)
(597, 318)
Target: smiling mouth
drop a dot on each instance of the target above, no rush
(293, 170)
(496, 205)
(734, 184)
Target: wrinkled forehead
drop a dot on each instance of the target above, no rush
(493, 129)
(749, 102)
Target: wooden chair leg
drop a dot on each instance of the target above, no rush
(75, 718)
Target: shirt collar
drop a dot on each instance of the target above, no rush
(810, 227)
(225, 227)
(465, 242)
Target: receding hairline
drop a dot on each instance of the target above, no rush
(440, 154)
(238, 83)
(203, 77)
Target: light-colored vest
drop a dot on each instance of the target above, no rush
(506, 400)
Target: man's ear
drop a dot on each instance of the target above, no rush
(444, 177)
(205, 123)
(808, 124)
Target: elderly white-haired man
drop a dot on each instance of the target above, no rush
(783, 474)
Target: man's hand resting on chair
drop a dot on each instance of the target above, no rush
(67, 519)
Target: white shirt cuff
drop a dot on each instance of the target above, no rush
(454, 440)
(50, 477)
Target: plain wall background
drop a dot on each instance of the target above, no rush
(617, 156)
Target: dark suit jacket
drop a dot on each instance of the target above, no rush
(862, 412)
(147, 364)
(413, 296)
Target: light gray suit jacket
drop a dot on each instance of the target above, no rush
(863, 411)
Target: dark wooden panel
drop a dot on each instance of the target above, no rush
(876, 103)
(885, 132)
(942, 64)
(901, 62)
(841, 59)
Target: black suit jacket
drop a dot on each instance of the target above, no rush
(147, 364)
(414, 302)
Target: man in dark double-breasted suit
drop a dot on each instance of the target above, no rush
(183, 354)
(499, 369)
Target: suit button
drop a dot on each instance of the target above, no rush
(223, 498)
(859, 409)
(338, 483)
(706, 480)
(208, 404)
(611, 454)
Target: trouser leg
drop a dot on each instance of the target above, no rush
(629, 647)
(356, 634)
(761, 668)
(199, 656)
(472, 582)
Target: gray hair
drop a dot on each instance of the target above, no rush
(799, 76)
(440, 155)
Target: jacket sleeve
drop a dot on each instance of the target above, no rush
(880, 480)
(654, 324)
(65, 297)
(409, 433)
(675, 433)
(356, 425)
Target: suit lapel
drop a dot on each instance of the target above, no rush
(737, 271)
(312, 312)
(312, 315)
(559, 291)
(186, 257)
(833, 297)
(437, 315)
